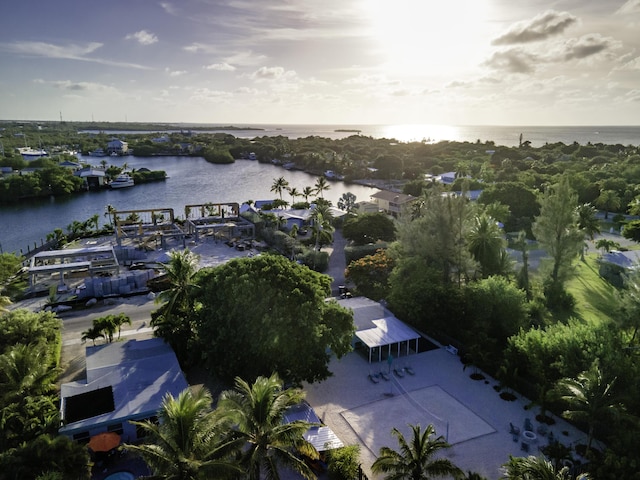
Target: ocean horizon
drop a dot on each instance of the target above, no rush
(504, 135)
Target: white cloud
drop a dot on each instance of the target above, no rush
(65, 52)
(175, 73)
(207, 95)
(143, 37)
(631, 6)
(272, 73)
(370, 79)
(222, 67)
(541, 27)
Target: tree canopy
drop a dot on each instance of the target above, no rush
(263, 314)
(369, 228)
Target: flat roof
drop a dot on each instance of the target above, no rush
(140, 374)
(387, 331)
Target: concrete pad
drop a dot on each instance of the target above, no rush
(431, 405)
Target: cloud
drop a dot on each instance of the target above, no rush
(272, 73)
(198, 47)
(370, 79)
(541, 27)
(204, 94)
(68, 85)
(631, 6)
(175, 73)
(143, 37)
(64, 52)
(587, 46)
(222, 67)
(514, 60)
(630, 64)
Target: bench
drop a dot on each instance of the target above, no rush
(451, 349)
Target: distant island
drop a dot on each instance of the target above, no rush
(347, 130)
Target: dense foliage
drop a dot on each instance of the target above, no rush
(30, 347)
(263, 314)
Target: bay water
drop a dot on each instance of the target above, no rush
(192, 180)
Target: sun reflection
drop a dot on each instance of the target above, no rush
(421, 133)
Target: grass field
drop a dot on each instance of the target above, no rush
(596, 299)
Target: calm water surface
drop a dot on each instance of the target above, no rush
(191, 181)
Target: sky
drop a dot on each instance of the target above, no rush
(340, 62)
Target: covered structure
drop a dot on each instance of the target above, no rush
(380, 331)
(320, 436)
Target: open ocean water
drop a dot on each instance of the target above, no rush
(499, 134)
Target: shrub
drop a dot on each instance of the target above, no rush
(344, 463)
(318, 261)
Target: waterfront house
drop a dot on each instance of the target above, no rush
(125, 381)
(118, 147)
(392, 203)
(94, 177)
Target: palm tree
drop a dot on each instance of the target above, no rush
(189, 442)
(121, 319)
(110, 212)
(587, 222)
(590, 399)
(607, 245)
(486, 244)
(107, 325)
(257, 412)
(279, 185)
(293, 191)
(26, 370)
(535, 468)
(322, 186)
(94, 221)
(180, 271)
(307, 192)
(608, 200)
(93, 333)
(414, 460)
(322, 224)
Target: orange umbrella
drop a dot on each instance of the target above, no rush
(103, 442)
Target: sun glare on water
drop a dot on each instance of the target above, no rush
(419, 133)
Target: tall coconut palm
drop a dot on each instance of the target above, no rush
(307, 192)
(279, 185)
(322, 224)
(257, 412)
(189, 442)
(293, 191)
(590, 399)
(322, 186)
(486, 244)
(535, 468)
(180, 271)
(415, 459)
(587, 222)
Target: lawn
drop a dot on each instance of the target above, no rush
(596, 299)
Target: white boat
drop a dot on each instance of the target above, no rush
(121, 181)
(331, 175)
(99, 152)
(29, 153)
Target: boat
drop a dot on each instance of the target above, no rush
(331, 175)
(29, 153)
(121, 181)
(99, 152)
